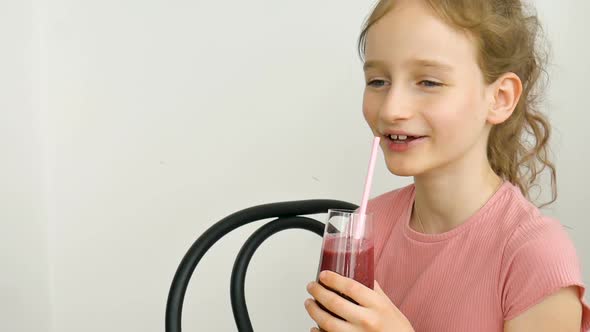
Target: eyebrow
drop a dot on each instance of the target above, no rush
(427, 63)
(373, 64)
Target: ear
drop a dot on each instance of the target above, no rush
(506, 92)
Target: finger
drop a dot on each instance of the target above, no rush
(380, 291)
(325, 321)
(360, 293)
(335, 303)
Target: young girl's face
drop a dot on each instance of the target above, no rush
(423, 81)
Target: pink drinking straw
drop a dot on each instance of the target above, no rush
(367, 191)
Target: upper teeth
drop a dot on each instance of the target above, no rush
(398, 137)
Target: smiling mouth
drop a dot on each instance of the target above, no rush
(402, 138)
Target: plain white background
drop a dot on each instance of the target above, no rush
(127, 128)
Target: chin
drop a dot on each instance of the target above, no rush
(401, 170)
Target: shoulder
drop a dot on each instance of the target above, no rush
(518, 223)
(532, 233)
(538, 257)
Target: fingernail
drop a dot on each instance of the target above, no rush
(309, 285)
(323, 275)
(307, 302)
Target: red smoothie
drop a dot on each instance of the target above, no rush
(358, 253)
(351, 258)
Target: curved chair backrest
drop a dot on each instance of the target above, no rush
(288, 215)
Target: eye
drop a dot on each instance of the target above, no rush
(376, 83)
(430, 84)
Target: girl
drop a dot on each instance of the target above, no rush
(451, 88)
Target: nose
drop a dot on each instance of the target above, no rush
(395, 107)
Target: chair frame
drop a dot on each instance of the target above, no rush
(288, 215)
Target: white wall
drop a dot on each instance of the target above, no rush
(171, 115)
(162, 117)
(567, 105)
(24, 276)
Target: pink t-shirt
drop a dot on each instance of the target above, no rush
(502, 261)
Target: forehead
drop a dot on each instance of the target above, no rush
(411, 31)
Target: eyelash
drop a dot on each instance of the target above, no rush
(425, 83)
(373, 81)
(430, 84)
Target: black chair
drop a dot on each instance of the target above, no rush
(288, 215)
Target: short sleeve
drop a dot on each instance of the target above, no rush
(539, 259)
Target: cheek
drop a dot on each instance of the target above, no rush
(369, 116)
(370, 111)
(456, 119)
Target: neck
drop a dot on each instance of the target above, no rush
(448, 198)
